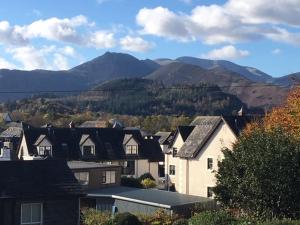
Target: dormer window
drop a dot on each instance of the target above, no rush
(45, 150)
(43, 146)
(131, 149)
(87, 146)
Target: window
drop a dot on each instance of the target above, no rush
(210, 192)
(131, 149)
(45, 150)
(110, 177)
(172, 170)
(174, 152)
(31, 214)
(82, 177)
(209, 163)
(88, 150)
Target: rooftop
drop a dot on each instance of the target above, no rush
(88, 165)
(154, 197)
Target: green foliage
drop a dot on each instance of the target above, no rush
(181, 222)
(93, 217)
(131, 182)
(280, 222)
(148, 183)
(212, 218)
(261, 176)
(126, 219)
(160, 217)
(146, 176)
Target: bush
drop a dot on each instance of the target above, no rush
(148, 183)
(181, 222)
(92, 217)
(280, 222)
(212, 218)
(146, 176)
(126, 219)
(131, 182)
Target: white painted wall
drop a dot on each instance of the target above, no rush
(23, 149)
(199, 177)
(170, 160)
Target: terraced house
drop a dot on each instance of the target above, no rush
(192, 156)
(136, 154)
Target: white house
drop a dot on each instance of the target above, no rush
(193, 155)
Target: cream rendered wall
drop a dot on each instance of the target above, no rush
(153, 169)
(170, 160)
(23, 149)
(200, 177)
(141, 167)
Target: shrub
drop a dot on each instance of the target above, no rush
(126, 219)
(131, 182)
(146, 176)
(148, 183)
(212, 218)
(93, 217)
(181, 222)
(280, 222)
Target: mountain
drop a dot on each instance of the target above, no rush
(248, 72)
(136, 96)
(252, 93)
(16, 84)
(113, 66)
(288, 80)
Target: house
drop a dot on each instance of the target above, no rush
(10, 138)
(136, 154)
(164, 139)
(41, 192)
(192, 157)
(6, 117)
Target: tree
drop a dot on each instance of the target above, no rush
(261, 175)
(286, 116)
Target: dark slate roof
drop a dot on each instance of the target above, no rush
(11, 132)
(37, 178)
(205, 127)
(88, 165)
(164, 199)
(108, 142)
(200, 134)
(163, 137)
(95, 123)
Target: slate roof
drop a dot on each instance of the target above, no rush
(108, 143)
(205, 127)
(164, 199)
(95, 123)
(14, 130)
(40, 139)
(37, 178)
(163, 137)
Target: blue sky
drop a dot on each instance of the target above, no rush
(56, 35)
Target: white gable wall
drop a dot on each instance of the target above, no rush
(170, 160)
(199, 177)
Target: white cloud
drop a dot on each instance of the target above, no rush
(164, 23)
(9, 35)
(226, 52)
(102, 39)
(60, 62)
(233, 22)
(276, 51)
(29, 57)
(4, 64)
(135, 44)
(47, 57)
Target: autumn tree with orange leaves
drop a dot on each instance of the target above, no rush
(287, 116)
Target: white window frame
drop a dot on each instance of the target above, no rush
(131, 149)
(210, 165)
(79, 176)
(43, 149)
(110, 177)
(174, 173)
(92, 149)
(32, 223)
